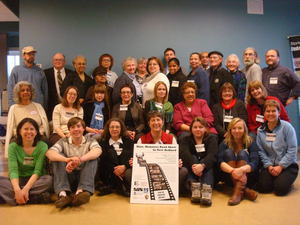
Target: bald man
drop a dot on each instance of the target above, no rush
(52, 75)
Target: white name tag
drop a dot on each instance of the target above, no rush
(33, 112)
(273, 80)
(271, 137)
(28, 161)
(192, 81)
(108, 75)
(217, 80)
(99, 117)
(200, 148)
(175, 83)
(123, 107)
(227, 119)
(158, 105)
(260, 118)
(70, 114)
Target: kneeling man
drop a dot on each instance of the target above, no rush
(74, 161)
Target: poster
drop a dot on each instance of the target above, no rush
(295, 50)
(155, 174)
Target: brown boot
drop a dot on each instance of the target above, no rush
(250, 194)
(239, 187)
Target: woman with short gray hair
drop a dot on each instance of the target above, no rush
(78, 78)
(141, 71)
(233, 63)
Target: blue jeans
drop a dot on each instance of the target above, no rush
(207, 175)
(77, 179)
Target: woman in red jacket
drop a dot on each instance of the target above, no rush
(257, 96)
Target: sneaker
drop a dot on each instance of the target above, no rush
(206, 195)
(81, 198)
(196, 192)
(63, 201)
(42, 198)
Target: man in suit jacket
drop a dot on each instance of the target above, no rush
(55, 77)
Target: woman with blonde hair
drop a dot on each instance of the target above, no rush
(238, 159)
(160, 102)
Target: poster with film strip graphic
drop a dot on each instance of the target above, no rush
(155, 174)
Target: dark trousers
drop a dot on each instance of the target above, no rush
(281, 184)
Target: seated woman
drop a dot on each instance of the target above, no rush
(158, 136)
(239, 161)
(97, 112)
(155, 69)
(141, 70)
(199, 77)
(160, 102)
(233, 63)
(277, 144)
(24, 92)
(228, 108)
(99, 75)
(199, 153)
(130, 112)
(177, 80)
(78, 78)
(188, 109)
(107, 61)
(127, 77)
(114, 164)
(27, 182)
(256, 98)
(69, 107)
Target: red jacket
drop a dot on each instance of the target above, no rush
(165, 138)
(253, 110)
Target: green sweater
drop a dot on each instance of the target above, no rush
(16, 156)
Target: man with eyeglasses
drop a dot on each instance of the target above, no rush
(55, 76)
(251, 70)
(29, 71)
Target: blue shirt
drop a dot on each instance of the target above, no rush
(36, 76)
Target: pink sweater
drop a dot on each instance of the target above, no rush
(183, 116)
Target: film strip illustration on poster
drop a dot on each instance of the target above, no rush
(155, 174)
(158, 183)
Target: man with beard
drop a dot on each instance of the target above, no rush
(251, 70)
(280, 82)
(30, 72)
(217, 76)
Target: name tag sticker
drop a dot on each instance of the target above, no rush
(123, 107)
(260, 118)
(271, 137)
(158, 105)
(33, 112)
(70, 113)
(99, 117)
(108, 75)
(217, 80)
(227, 119)
(192, 81)
(175, 83)
(200, 148)
(273, 80)
(28, 161)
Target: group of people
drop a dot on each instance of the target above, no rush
(225, 121)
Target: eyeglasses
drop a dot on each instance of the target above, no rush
(114, 127)
(125, 92)
(227, 92)
(189, 92)
(105, 60)
(58, 60)
(72, 94)
(80, 64)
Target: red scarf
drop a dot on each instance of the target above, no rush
(232, 103)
